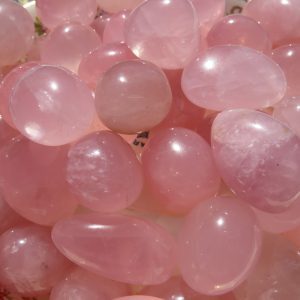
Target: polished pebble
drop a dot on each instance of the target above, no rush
(117, 5)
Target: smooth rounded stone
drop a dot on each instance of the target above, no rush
(51, 106)
(100, 22)
(32, 180)
(133, 96)
(277, 274)
(179, 169)
(121, 248)
(30, 263)
(231, 76)
(258, 158)
(209, 258)
(294, 236)
(239, 30)
(138, 297)
(6, 132)
(96, 63)
(288, 58)
(280, 18)
(82, 285)
(103, 171)
(16, 37)
(55, 12)
(118, 5)
(164, 32)
(67, 44)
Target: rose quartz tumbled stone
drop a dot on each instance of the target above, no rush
(117, 5)
(30, 263)
(239, 30)
(121, 248)
(233, 77)
(133, 96)
(294, 236)
(164, 32)
(6, 132)
(218, 245)
(67, 44)
(138, 298)
(179, 169)
(52, 106)
(54, 12)
(258, 158)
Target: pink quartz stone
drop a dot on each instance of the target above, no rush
(52, 106)
(82, 285)
(239, 30)
(280, 18)
(218, 245)
(233, 77)
(258, 158)
(30, 263)
(67, 44)
(294, 236)
(138, 298)
(179, 169)
(288, 58)
(121, 248)
(97, 62)
(100, 22)
(117, 5)
(32, 179)
(16, 36)
(164, 32)
(133, 96)
(54, 12)
(6, 132)
(104, 173)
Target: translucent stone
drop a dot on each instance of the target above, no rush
(97, 62)
(99, 23)
(245, 78)
(6, 132)
(239, 30)
(179, 169)
(121, 248)
(117, 5)
(258, 158)
(133, 96)
(32, 179)
(51, 106)
(67, 44)
(30, 263)
(54, 12)
(209, 258)
(164, 32)
(104, 173)
(138, 298)
(16, 37)
(82, 285)
(294, 236)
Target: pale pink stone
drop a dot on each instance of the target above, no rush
(97, 62)
(121, 248)
(99, 23)
(67, 44)
(138, 298)
(218, 245)
(133, 96)
(164, 32)
(30, 263)
(6, 132)
(239, 30)
(55, 12)
(51, 106)
(117, 5)
(280, 18)
(82, 285)
(233, 77)
(179, 169)
(258, 158)
(16, 32)
(32, 179)
(288, 58)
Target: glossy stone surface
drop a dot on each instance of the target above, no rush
(208, 256)
(164, 32)
(179, 169)
(258, 158)
(6, 132)
(138, 298)
(51, 106)
(99, 23)
(245, 78)
(67, 44)
(294, 236)
(30, 263)
(117, 5)
(17, 43)
(55, 12)
(133, 96)
(82, 285)
(239, 30)
(121, 248)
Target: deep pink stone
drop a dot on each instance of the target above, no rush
(294, 236)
